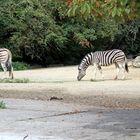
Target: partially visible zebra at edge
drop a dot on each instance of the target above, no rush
(6, 61)
(103, 58)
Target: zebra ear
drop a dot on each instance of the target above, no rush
(79, 68)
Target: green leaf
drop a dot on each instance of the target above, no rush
(83, 9)
(69, 12)
(127, 11)
(114, 12)
(119, 12)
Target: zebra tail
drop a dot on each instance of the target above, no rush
(126, 65)
(10, 69)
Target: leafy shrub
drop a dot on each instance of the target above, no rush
(20, 66)
(40, 31)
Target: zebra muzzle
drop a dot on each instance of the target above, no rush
(78, 78)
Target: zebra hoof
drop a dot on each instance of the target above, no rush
(116, 78)
(92, 79)
(123, 78)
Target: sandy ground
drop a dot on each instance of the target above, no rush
(61, 82)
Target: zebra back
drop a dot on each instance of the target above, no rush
(105, 58)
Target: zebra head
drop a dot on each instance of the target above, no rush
(81, 73)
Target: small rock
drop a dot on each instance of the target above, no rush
(55, 98)
(136, 62)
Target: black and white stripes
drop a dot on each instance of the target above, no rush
(6, 61)
(103, 58)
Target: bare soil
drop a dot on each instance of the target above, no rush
(60, 83)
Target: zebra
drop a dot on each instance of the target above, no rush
(103, 58)
(6, 61)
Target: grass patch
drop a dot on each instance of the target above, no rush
(25, 80)
(2, 105)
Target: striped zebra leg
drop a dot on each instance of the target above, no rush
(97, 68)
(124, 70)
(100, 70)
(117, 75)
(10, 69)
(118, 71)
(3, 65)
(94, 72)
(120, 68)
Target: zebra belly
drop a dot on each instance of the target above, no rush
(102, 64)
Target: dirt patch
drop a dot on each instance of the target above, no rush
(98, 99)
(62, 84)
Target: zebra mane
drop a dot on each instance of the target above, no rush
(86, 61)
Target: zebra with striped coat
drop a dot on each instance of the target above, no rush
(6, 61)
(103, 58)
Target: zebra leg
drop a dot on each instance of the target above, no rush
(120, 67)
(94, 72)
(123, 77)
(118, 71)
(3, 65)
(10, 69)
(100, 70)
(124, 71)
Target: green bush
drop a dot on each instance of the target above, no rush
(20, 66)
(40, 31)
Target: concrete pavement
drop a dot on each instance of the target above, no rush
(55, 120)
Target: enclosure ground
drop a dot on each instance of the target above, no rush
(62, 84)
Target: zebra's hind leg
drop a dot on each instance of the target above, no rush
(120, 68)
(124, 71)
(118, 71)
(3, 65)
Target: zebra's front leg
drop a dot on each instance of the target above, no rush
(94, 73)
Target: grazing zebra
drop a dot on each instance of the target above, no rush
(103, 58)
(6, 61)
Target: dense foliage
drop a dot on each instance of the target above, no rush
(118, 9)
(42, 32)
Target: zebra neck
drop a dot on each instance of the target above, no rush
(84, 66)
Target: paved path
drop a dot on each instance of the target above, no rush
(55, 120)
